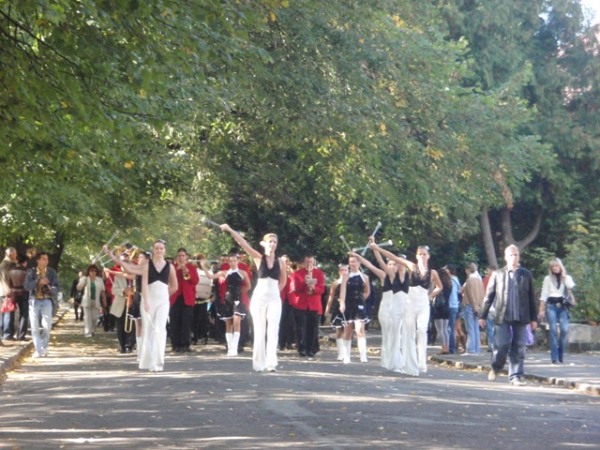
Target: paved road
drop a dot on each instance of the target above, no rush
(87, 395)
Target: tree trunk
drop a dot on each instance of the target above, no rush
(57, 250)
(486, 234)
(507, 234)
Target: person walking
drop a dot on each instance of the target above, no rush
(94, 298)
(510, 300)
(555, 300)
(472, 297)
(42, 283)
(354, 291)
(233, 310)
(159, 282)
(265, 305)
(425, 285)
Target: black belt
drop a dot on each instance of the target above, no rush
(555, 300)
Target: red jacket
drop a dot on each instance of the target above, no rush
(285, 292)
(186, 287)
(300, 297)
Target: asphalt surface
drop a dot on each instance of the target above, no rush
(85, 394)
(580, 371)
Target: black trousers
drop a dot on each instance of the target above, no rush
(287, 327)
(126, 339)
(23, 304)
(180, 318)
(200, 323)
(307, 327)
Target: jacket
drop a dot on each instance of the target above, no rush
(187, 288)
(30, 283)
(300, 297)
(496, 296)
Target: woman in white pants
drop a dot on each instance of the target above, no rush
(388, 318)
(265, 305)
(94, 298)
(425, 284)
(159, 282)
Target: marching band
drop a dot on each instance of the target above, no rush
(185, 302)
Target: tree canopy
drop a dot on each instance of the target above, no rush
(464, 124)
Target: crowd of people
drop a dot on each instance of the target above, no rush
(152, 300)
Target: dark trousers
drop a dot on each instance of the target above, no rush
(8, 325)
(510, 340)
(307, 326)
(287, 327)
(126, 339)
(200, 323)
(23, 304)
(108, 319)
(180, 317)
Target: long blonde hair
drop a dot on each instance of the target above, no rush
(558, 262)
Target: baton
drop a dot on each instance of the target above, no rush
(364, 252)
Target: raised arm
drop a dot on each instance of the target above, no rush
(209, 275)
(135, 269)
(388, 270)
(254, 254)
(405, 262)
(365, 262)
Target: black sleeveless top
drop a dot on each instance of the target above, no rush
(234, 287)
(265, 272)
(387, 284)
(155, 275)
(417, 280)
(400, 286)
(397, 285)
(354, 289)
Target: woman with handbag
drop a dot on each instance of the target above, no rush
(94, 298)
(555, 301)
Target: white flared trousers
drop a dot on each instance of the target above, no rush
(265, 308)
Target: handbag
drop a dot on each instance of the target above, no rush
(568, 300)
(9, 305)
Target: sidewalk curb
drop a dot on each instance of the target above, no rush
(587, 388)
(14, 362)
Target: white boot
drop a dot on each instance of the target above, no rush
(347, 350)
(362, 348)
(235, 340)
(229, 338)
(340, 349)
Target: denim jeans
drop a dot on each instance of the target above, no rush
(472, 326)
(510, 340)
(40, 315)
(8, 325)
(557, 315)
(452, 336)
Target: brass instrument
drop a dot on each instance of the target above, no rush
(128, 323)
(124, 247)
(184, 271)
(42, 290)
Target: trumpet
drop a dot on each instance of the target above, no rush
(124, 247)
(128, 324)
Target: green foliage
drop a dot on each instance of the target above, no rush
(311, 119)
(583, 264)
